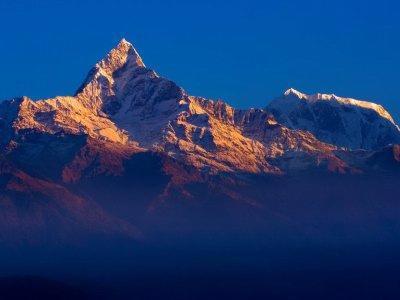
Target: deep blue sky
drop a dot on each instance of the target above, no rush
(245, 52)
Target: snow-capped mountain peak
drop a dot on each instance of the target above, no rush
(292, 91)
(110, 75)
(123, 54)
(126, 103)
(346, 122)
(379, 109)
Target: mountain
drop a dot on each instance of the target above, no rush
(344, 122)
(36, 211)
(124, 103)
(148, 155)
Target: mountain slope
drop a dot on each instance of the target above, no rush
(123, 102)
(35, 211)
(344, 122)
(139, 145)
(160, 116)
(124, 108)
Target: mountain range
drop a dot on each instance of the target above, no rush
(132, 154)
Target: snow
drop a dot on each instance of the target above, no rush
(342, 100)
(345, 122)
(292, 91)
(124, 102)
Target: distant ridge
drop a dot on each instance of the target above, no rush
(344, 122)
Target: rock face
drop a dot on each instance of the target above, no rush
(158, 115)
(344, 122)
(129, 132)
(123, 102)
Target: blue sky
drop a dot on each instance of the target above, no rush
(245, 52)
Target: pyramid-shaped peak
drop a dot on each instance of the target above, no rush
(125, 46)
(124, 54)
(123, 41)
(122, 58)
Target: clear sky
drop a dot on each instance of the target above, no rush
(245, 52)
